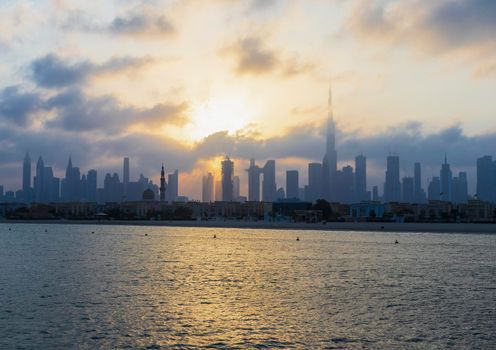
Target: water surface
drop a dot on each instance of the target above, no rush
(178, 288)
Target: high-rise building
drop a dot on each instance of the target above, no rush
(218, 190)
(392, 186)
(38, 181)
(460, 188)
(375, 194)
(125, 177)
(112, 188)
(162, 183)
(292, 184)
(446, 178)
(361, 178)
(418, 191)
(486, 179)
(208, 188)
(269, 187)
(253, 181)
(91, 186)
(344, 181)
(434, 190)
(227, 179)
(172, 186)
(26, 179)
(408, 190)
(314, 189)
(236, 189)
(330, 161)
(71, 185)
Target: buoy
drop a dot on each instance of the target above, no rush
(215, 236)
(297, 238)
(46, 230)
(9, 229)
(396, 242)
(92, 232)
(146, 234)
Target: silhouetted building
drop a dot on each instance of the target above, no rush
(71, 185)
(125, 177)
(292, 184)
(269, 186)
(227, 180)
(392, 186)
(314, 188)
(408, 190)
(434, 191)
(112, 188)
(375, 194)
(91, 186)
(162, 184)
(208, 188)
(148, 195)
(446, 179)
(330, 161)
(253, 181)
(236, 189)
(172, 186)
(418, 191)
(361, 179)
(460, 189)
(486, 179)
(344, 180)
(218, 190)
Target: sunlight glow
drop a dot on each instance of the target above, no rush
(226, 113)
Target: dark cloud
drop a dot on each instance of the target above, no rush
(78, 112)
(51, 71)
(144, 24)
(18, 107)
(254, 57)
(463, 27)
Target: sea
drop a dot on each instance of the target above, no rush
(67, 286)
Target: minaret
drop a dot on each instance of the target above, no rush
(162, 184)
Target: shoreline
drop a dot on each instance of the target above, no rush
(487, 228)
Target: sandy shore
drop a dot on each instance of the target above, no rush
(331, 226)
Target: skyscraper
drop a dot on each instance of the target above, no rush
(292, 184)
(208, 188)
(172, 186)
(446, 179)
(408, 192)
(162, 184)
(460, 188)
(38, 181)
(434, 189)
(344, 180)
(236, 188)
(329, 163)
(91, 185)
(125, 177)
(361, 178)
(418, 191)
(392, 186)
(486, 179)
(71, 185)
(253, 181)
(26, 179)
(269, 187)
(314, 189)
(227, 180)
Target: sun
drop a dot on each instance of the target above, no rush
(219, 113)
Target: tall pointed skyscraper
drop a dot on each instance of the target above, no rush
(162, 184)
(329, 163)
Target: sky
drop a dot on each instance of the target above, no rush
(186, 82)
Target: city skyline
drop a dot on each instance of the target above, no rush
(82, 78)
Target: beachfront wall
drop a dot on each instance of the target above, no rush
(367, 210)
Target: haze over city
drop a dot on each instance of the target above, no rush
(188, 82)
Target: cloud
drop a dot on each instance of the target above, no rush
(145, 24)
(463, 28)
(78, 112)
(18, 107)
(252, 56)
(51, 71)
